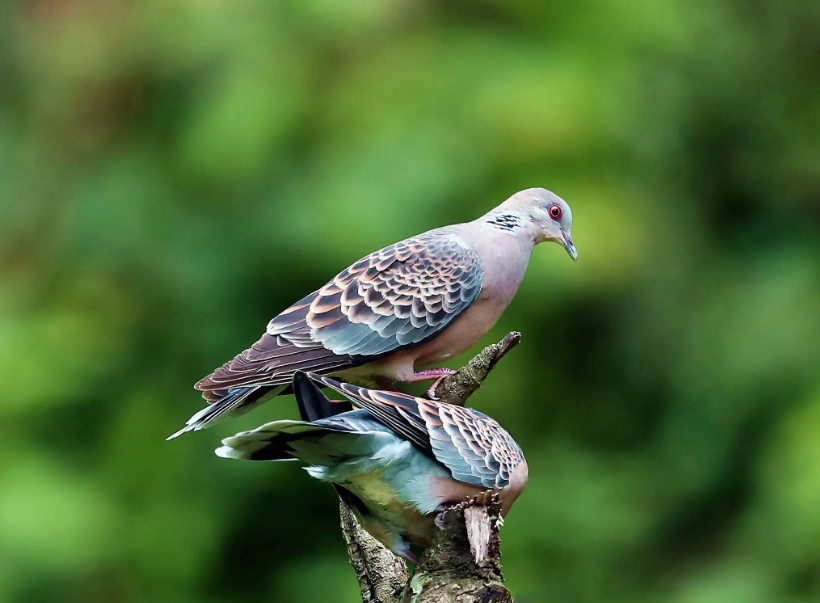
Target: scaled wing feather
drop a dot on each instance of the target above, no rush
(473, 446)
(396, 298)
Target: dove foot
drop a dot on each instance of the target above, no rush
(402, 549)
(441, 511)
(439, 374)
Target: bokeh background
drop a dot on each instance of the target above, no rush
(175, 172)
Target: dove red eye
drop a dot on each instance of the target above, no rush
(555, 212)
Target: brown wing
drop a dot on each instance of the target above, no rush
(473, 446)
(394, 299)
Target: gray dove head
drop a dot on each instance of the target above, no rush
(549, 215)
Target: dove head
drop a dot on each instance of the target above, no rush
(548, 216)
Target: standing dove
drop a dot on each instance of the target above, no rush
(396, 462)
(411, 304)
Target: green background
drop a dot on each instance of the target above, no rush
(175, 172)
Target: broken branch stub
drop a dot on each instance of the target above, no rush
(448, 572)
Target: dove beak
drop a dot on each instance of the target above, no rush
(569, 246)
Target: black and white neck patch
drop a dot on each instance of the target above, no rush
(506, 222)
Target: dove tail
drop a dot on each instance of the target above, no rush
(278, 441)
(266, 443)
(313, 404)
(236, 401)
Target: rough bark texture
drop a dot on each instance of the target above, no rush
(447, 571)
(382, 575)
(462, 565)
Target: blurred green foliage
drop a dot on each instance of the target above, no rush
(175, 172)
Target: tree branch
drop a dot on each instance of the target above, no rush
(455, 389)
(462, 564)
(453, 569)
(382, 575)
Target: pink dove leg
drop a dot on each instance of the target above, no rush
(438, 374)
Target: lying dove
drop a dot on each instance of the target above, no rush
(396, 462)
(414, 303)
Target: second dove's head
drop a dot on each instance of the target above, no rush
(548, 215)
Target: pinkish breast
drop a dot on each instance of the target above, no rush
(504, 260)
(464, 333)
(450, 491)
